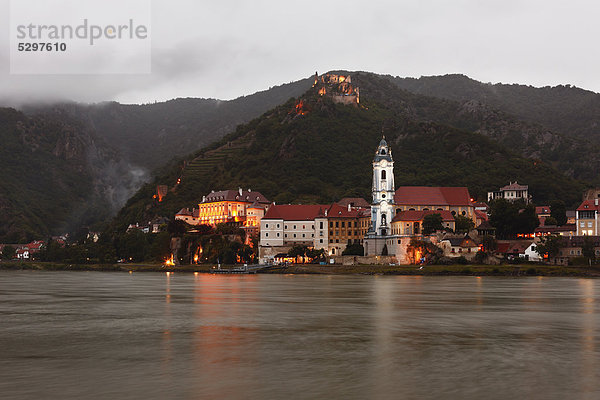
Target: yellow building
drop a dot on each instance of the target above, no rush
(231, 206)
(347, 225)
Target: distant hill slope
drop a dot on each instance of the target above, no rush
(150, 135)
(565, 109)
(55, 176)
(312, 150)
(462, 105)
(66, 166)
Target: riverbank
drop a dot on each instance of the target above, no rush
(429, 270)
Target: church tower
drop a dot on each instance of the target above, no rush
(382, 208)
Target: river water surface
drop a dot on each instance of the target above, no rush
(102, 335)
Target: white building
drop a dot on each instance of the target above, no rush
(284, 226)
(511, 192)
(587, 218)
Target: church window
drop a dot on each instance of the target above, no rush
(383, 174)
(464, 213)
(382, 152)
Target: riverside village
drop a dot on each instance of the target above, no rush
(397, 225)
(401, 225)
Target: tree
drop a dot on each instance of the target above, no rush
(510, 218)
(489, 243)
(355, 249)
(549, 245)
(315, 254)
(527, 220)
(463, 224)
(550, 221)
(297, 251)
(177, 227)
(502, 217)
(432, 223)
(558, 211)
(8, 253)
(588, 250)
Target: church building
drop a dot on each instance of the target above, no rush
(379, 239)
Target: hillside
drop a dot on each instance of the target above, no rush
(313, 150)
(150, 135)
(68, 166)
(566, 109)
(578, 157)
(55, 176)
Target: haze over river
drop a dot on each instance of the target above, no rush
(104, 335)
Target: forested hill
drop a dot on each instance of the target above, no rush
(150, 135)
(312, 150)
(56, 176)
(565, 109)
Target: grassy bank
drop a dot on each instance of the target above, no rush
(429, 270)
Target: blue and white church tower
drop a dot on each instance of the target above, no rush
(379, 240)
(382, 208)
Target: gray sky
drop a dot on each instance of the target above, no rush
(225, 49)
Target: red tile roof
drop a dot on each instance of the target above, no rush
(481, 215)
(354, 202)
(432, 196)
(588, 205)
(514, 186)
(295, 212)
(185, 212)
(542, 210)
(414, 215)
(234, 195)
(339, 211)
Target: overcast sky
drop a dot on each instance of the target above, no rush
(225, 49)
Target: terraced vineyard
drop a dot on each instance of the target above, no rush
(206, 163)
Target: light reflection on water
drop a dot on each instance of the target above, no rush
(112, 335)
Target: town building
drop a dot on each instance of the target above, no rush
(347, 225)
(189, 216)
(587, 218)
(542, 213)
(456, 200)
(284, 226)
(327, 227)
(243, 208)
(564, 230)
(409, 223)
(572, 247)
(457, 246)
(511, 192)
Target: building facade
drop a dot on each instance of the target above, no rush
(511, 192)
(587, 218)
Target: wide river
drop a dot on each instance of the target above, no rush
(102, 335)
